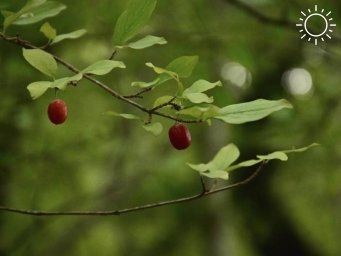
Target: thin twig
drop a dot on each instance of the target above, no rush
(133, 209)
(138, 94)
(18, 41)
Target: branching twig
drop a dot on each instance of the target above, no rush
(23, 43)
(202, 194)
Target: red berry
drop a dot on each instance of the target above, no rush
(179, 136)
(57, 111)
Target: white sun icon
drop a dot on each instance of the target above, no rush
(326, 28)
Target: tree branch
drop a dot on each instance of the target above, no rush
(26, 44)
(203, 193)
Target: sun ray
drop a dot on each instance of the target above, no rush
(309, 11)
(299, 25)
(301, 19)
(303, 13)
(331, 31)
(309, 39)
(315, 41)
(303, 36)
(328, 36)
(328, 13)
(322, 11)
(315, 8)
(301, 30)
(332, 25)
(322, 39)
(331, 19)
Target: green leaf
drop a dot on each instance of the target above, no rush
(251, 111)
(217, 166)
(72, 35)
(202, 113)
(159, 70)
(162, 100)
(221, 163)
(41, 12)
(37, 89)
(301, 149)
(166, 75)
(6, 13)
(146, 42)
(198, 98)
(103, 67)
(183, 66)
(62, 83)
(145, 84)
(278, 155)
(41, 60)
(11, 18)
(48, 31)
(201, 86)
(126, 116)
(132, 20)
(154, 128)
(224, 158)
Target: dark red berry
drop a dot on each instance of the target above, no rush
(179, 136)
(57, 111)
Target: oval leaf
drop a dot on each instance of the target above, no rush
(41, 60)
(133, 20)
(198, 98)
(103, 67)
(154, 128)
(146, 42)
(62, 83)
(251, 111)
(37, 89)
(201, 86)
(48, 31)
(11, 18)
(41, 12)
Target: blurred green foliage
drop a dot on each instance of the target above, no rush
(98, 162)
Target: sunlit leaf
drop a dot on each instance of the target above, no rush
(154, 128)
(162, 100)
(203, 113)
(103, 67)
(183, 66)
(123, 115)
(11, 18)
(37, 89)
(62, 83)
(201, 86)
(132, 20)
(146, 42)
(41, 60)
(251, 111)
(278, 155)
(198, 97)
(217, 166)
(41, 12)
(48, 31)
(72, 35)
